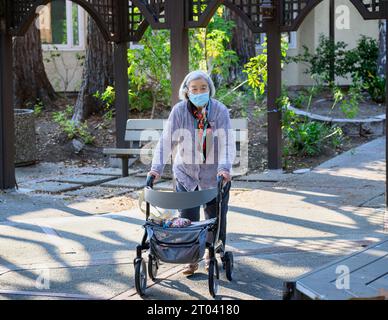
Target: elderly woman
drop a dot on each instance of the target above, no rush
(199, 126)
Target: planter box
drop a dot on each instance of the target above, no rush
(25, 137)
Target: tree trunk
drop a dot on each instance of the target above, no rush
(30, 78)
(382, 57)
(97, 75)
(243, 43)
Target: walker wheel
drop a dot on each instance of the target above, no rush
(228, 265)
(140, 276)
(213, 277)
(153, 267)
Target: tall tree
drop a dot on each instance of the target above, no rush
(97, 74)
(243, 43)
(30, 78)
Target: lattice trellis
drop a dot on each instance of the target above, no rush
(196, 8)
(292, 10)
(199, 12)
(104, 12)
(107, 14)
(20, 9)
(370, 9)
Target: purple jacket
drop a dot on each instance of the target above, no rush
(180, 131)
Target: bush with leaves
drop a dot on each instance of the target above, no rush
(256, 68)
(63, 118)
(320, 62)
(359, 63)
(303, 136)
(208, 46)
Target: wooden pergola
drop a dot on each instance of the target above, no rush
(122, 21)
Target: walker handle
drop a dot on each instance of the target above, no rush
(150, 180)
(220, 181)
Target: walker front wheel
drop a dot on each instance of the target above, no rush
(140, 276)
(213, 277)
(153, 267)
(228, 265)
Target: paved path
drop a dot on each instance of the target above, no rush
(53, 248)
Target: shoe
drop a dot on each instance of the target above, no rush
(190, 269)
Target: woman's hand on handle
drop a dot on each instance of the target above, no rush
(226, 175)
(152, 176)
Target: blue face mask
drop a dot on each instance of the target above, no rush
(199, 100)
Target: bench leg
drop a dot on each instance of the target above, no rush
(124, 166)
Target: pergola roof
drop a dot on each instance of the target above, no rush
(121, 21)
(117, 26)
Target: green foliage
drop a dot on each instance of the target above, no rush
(362, 60)
(305, 137)
(149, 71)
(359, 63)
(38, 108)
(63, 118)
(209, 46)
(319, 63)
(108, 97)
(235, 99)
(376, 88)
(256, 69)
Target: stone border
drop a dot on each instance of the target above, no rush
(374, 126)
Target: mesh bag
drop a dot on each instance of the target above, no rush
(179, 245)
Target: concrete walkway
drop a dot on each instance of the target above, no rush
(279, 227)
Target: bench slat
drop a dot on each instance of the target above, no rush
(124, 152)
(143, 135)
(141, 124)
(239, 123)
(154, 135)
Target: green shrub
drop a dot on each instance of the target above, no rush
(303, 136)
(63, 118)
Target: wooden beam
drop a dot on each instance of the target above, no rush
(121, 87)
(332, 39)
(176, 21)
(7, 133)
(385, 11)
(274, 92)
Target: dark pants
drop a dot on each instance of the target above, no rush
(210, 208)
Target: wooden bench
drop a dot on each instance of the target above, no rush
(363, 275)
(141, 132)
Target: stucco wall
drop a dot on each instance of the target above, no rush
(64, 72)
(317, 22)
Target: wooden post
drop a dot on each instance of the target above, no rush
(121, 87)
(385, 8)
(332, 39)
(274, 92)
(175, 14)
(7, 133)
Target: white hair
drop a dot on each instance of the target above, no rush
(195, 75)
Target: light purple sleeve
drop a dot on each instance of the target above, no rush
(227, 146)
(163, 149)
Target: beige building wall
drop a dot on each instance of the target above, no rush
(316, 23)
(65, 71)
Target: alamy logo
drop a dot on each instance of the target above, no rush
(342, 21)
(343, 279)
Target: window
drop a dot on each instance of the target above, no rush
(290, 36)
(62, 25)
